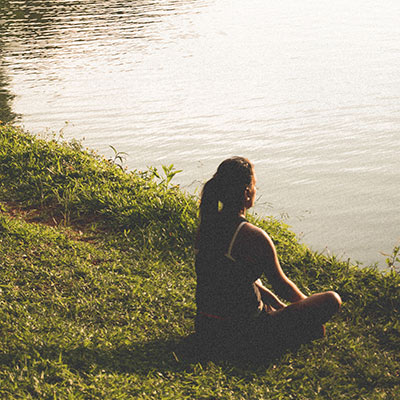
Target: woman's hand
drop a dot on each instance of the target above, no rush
(268, 297)
(279, 304)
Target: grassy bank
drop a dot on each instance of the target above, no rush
(97, 293)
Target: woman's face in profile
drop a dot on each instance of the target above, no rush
(252, 190)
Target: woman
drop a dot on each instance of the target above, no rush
(233, 306)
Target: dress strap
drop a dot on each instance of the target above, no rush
(228, 254)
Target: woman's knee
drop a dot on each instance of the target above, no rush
(325, 304)
(333, 301)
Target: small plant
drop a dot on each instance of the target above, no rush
(118, 158)
(65, 199)
(169, 172)
(393, 260)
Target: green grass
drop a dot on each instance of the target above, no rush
(97, 292)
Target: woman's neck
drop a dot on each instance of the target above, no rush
(233, 214)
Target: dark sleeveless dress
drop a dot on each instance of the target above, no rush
(226, 297)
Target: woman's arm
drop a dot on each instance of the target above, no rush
(255, 246)
(268, 297)
(283, 286)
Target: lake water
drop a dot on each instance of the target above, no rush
(309, 91)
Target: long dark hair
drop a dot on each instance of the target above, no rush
(223, 194)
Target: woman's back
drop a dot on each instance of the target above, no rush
(225, 286)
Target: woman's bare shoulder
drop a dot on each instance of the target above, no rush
(254, 239)
(255, 233)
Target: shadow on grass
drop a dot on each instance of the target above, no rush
(163, 355)
(172, 355)
(169, 355)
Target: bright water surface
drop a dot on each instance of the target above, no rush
(309, 90)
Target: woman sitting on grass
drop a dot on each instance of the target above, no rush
(233, 306)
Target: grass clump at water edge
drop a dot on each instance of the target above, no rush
(97, 293)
